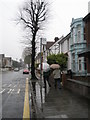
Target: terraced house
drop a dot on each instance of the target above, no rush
(86, 52)
(78, 44)
(61, 45)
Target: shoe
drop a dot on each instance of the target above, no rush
(49, 85)
(43, 86)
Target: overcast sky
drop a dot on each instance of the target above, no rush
(61, 14)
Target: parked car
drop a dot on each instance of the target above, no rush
(16, 69)
(25, 71)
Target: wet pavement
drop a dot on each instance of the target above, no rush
(58, 103)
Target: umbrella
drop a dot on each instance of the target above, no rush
(55, 66)
(45, 67)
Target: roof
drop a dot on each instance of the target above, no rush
(49, 44)
(86, 17)
(64, 38)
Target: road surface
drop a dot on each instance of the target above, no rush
(13, 94)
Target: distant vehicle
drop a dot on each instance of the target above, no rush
(25, 71)
(16, 69)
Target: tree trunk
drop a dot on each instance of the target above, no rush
(33, 76)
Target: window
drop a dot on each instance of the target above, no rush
(68, 44)
(80, 67)
(73, 61)
(78, 33)
(85, 66)
(78, 36)
(73, 35)
(62, 47)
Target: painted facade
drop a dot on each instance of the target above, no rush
(55, 48)
(72, 45)
(64, 47)
(77, 44)
(86, 51)
(87, 37)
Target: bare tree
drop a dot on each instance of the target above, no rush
(27, 56)
(33, 15)
(26, 52)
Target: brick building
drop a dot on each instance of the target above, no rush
(86, 51)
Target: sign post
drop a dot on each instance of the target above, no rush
(41, 75)
(42, 45)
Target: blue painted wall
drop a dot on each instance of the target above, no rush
(77, 44)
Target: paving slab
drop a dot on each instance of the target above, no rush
(61, 103)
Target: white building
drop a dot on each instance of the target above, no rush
(8, 62)
(55, 48)
(61, 45)
(64, 47)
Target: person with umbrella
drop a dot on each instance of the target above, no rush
(46, 73)
(57, 75)
(46, 78)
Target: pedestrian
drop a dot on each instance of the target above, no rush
(46, 75)
(57, 78)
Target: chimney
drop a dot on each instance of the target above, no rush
(89, 7)
(56, 39)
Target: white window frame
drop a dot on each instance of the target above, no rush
(73, 34)
(78, 33)
(78, 36)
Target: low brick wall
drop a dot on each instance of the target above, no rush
(79, 87)
(82, 78)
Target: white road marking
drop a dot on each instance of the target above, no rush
(64, 116)
(57, 116)
(2, 91)
(14, 86)
(18, 91)
(9, 85)
(12, 90)
(9, 91)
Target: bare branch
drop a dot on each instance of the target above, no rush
(33, 16)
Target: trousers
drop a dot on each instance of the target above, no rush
(57, 83)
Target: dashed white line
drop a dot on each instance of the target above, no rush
(2, 91)
(9, 91)
(9, 85)
(12, 90)
(14, 86)
(64, 116)
(18, 91)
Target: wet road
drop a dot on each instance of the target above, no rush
(13, 92)
(55, 103)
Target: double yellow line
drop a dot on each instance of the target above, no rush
(26, 112)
